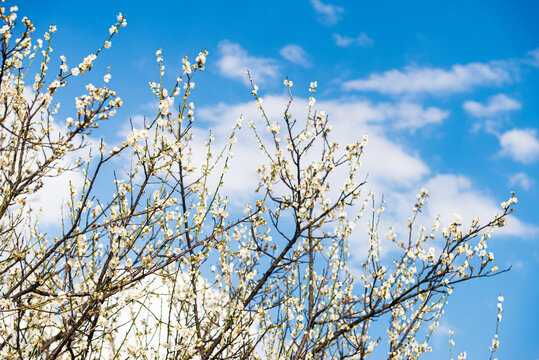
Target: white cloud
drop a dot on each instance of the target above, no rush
(295, 54)
(416, 80)
(520, 144)
(522, 180)
(361, 40)
(495, 105)
(235, 61)
(327, 14)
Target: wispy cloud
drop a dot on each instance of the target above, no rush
(522, 180)
(521, 145)
(235, 61)
(417, 80)
(361, 40)
(327, 14)
(495, 104)
(295, 54)
(533, 58)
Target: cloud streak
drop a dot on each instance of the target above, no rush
(361, 40)
(327, 14)
(295, 54)
(495, 105)
(427, 80)
(235, 61)
(522, 180)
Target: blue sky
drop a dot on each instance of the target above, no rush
(447, 93)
